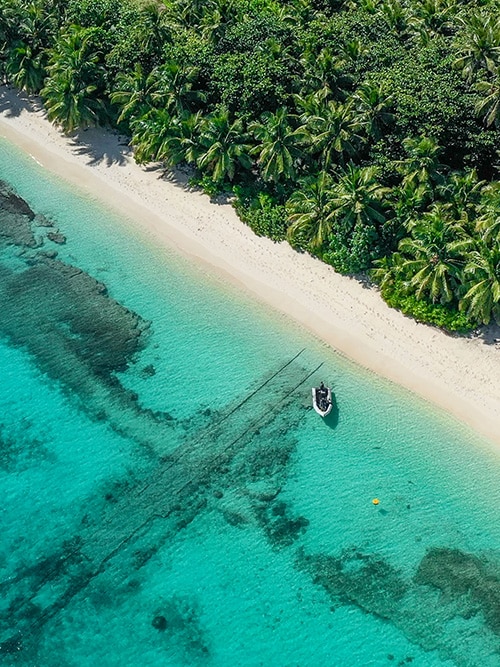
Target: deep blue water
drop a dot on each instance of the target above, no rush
(169, 497)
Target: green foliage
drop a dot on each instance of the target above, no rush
(94, 13)
(444, 317)
(431, 98)
(248, 83)
(264, 216)
(352, 254)
(252, 33)
(74, 88)
(208, 185)
(366, 132)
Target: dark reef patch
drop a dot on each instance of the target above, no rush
(452, 594)
(19, 450)
(60, 314)
(269, 458)
(144, 555)
(12, 645)
(15, 219)
(35, 575)
(178, 619)
(149, 370)
(364, 580)
(56, 237)
(466, 578)
(280, 528)
(57, 311)
(75, 332)
(159, 623)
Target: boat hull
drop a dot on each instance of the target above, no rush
(319, 406)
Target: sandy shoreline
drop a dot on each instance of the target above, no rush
(460, 375)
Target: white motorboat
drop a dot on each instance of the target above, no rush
(322, 400)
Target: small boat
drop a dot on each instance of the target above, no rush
(322, 400)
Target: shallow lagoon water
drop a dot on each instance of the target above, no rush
(187, 507)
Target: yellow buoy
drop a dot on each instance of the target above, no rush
(375, 501)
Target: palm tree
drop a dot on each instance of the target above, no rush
(395, 15)
(150, 136)
(25, 68)
(153, 30)
(309, 104)
(482, 300)
(34, 25)
(374, 104)
(488, 222)
(278, 150)
(74, 88)
(302, 11)
(182, 142)
(69, 108)
(309, 212)
(223, 146)
(488, 107)
(357, 211)
(386, 271)
(324, 75)
(433, 257)
(216, 19)
(368, 6)
(431, 18)
(462, 191)
(172, 87)
(9, 22)
(27, 30)
(488, 225)
(191, 12)
(422, 165)
(332, 134)
(357, 198)
(132, 93)
(408, 202)
(478, 45)
(162, 138)
(353, 51)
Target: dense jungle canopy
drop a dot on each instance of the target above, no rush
(365, 132)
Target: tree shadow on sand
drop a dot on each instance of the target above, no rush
(489, 334)
(101, 146)
(14, 102)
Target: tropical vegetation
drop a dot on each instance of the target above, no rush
(365, 132)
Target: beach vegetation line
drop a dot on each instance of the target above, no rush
(365, 132)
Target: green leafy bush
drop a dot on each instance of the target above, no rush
(352, 253)
(444, 317)
(208, 185)
(265, 217)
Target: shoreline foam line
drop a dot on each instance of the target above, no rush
(461, 375)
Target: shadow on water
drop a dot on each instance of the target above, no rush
(332, 419)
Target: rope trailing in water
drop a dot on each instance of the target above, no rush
(255, 391)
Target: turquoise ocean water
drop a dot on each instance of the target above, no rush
(168, 496)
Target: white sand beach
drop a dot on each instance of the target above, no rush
(461, 375)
